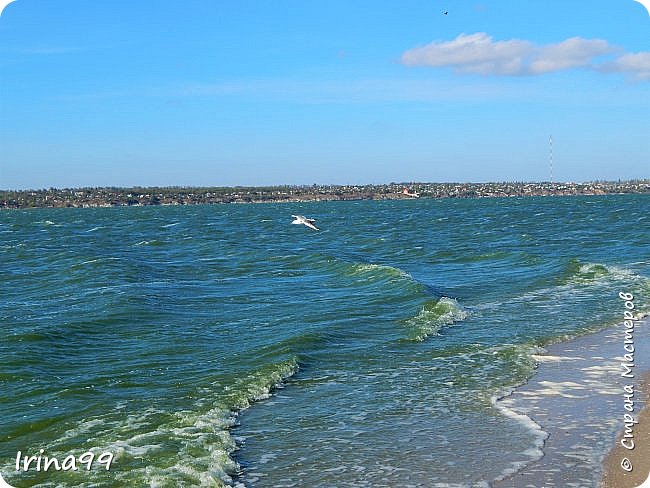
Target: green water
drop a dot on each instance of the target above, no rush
(369, 353)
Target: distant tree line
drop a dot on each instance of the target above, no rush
(178, 195)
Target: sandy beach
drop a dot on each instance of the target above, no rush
(615, 476)
(577, 397)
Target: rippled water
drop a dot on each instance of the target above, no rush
(371, 352)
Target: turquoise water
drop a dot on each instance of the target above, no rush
(370, 353)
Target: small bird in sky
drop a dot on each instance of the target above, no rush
(4, 3)
(300, 219)
(445, 12)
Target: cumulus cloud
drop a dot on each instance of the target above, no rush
(474, 53)
(635, 64)
(571, 53)
(479, 53)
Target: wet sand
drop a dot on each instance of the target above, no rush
(617, 477)
(577, 397)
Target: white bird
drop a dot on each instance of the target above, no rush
(645, 3)
(3, 4)
(300, 219)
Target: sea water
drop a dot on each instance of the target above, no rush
(221, 345)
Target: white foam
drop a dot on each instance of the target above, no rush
(430, 319)
(574, 286)
(205, 444)
(370, 268)
(543, 358)
(83, 427)
(535, 452)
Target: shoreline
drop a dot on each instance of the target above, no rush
(374, 198)
(155, 196)
(614, 475)
(576, 397)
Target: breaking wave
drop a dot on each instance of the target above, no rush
(436, 312)
(376, 271)
(578, 273)
(203, 450)
(432, 317)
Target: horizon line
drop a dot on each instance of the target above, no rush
(332, 185)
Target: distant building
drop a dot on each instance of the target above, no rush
(408, 193)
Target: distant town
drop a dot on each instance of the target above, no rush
(112, 197)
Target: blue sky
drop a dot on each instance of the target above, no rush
(207, 92)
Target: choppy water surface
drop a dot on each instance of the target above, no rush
(371, 351)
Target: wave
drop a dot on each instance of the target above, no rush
(432, 317)
(436, 312)
(477, 258)
(365, 274)
(536, 452)
(96, 262)
(376, 271)
(205, 438)
(577, 273)
(302, 344)
(154, 242)
(577, 281)
(259, 384)
(182, 448)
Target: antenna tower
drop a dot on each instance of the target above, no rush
(550, 155)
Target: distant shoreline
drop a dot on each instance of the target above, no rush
(140, 196)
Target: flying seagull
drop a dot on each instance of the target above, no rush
(300, 219)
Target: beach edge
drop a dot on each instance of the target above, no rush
(614, 475)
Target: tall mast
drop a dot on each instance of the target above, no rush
(550, 155)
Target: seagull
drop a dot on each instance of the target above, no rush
(445, 12)
(300, 219)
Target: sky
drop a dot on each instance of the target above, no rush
(245, 92)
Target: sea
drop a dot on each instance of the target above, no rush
(219, 345)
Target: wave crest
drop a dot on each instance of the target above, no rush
(201, 438)
(577, 273)
(432, 317)
(378, 271)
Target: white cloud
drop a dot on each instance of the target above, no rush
(479, 53)
(635, 64)
(475, 53)
(571, 53)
